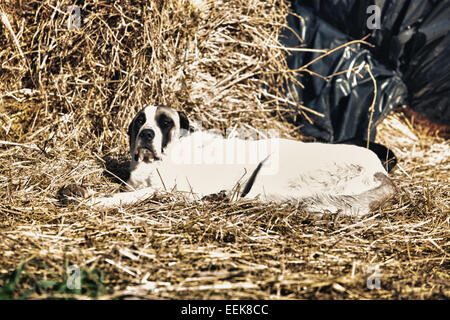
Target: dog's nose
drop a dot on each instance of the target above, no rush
(147, 134)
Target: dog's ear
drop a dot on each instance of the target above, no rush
(130, 127)
(184, 121)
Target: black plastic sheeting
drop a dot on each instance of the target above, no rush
(410, 62)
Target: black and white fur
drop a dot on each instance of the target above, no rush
(324, 177)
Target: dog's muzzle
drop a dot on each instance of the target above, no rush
(145, 151)
(145, 154)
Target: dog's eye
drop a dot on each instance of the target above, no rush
(140, 120)
(166, 122)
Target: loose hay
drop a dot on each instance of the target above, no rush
(66, 98)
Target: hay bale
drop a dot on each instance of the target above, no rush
(214, 59)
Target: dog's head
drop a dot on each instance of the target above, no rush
(152, 130)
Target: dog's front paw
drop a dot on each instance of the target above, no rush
(222, 196)
(70, 193)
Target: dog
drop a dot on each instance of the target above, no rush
(168, 156)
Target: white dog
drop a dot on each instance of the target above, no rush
(324, 177)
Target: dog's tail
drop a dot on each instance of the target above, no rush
(251, 180)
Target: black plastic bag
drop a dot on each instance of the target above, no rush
(345, 99)
(410, 52)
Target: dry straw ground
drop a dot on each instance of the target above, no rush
(66, 98)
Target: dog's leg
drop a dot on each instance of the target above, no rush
(75, 193)
(122, 198)
(360, 204)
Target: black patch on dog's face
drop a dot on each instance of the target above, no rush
(136, 125)
(165, 124)
(184, 121)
